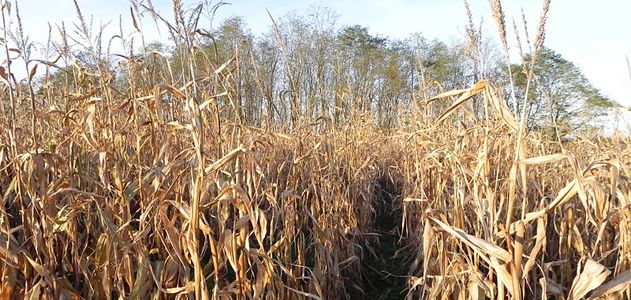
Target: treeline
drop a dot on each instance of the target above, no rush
(307, 67)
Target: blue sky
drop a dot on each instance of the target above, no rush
(594, 36)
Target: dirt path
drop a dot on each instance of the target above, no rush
(386, 274)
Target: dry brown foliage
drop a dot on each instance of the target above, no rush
(152, 192)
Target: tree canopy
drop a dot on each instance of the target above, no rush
(309, 66)
(560, 94)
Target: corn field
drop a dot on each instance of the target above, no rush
(128, 181)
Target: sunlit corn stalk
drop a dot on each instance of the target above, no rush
(538, 44)
(6, 12)
(197, 134)
(25, 47)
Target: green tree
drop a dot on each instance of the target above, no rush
(362, 54)
(560, 95)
